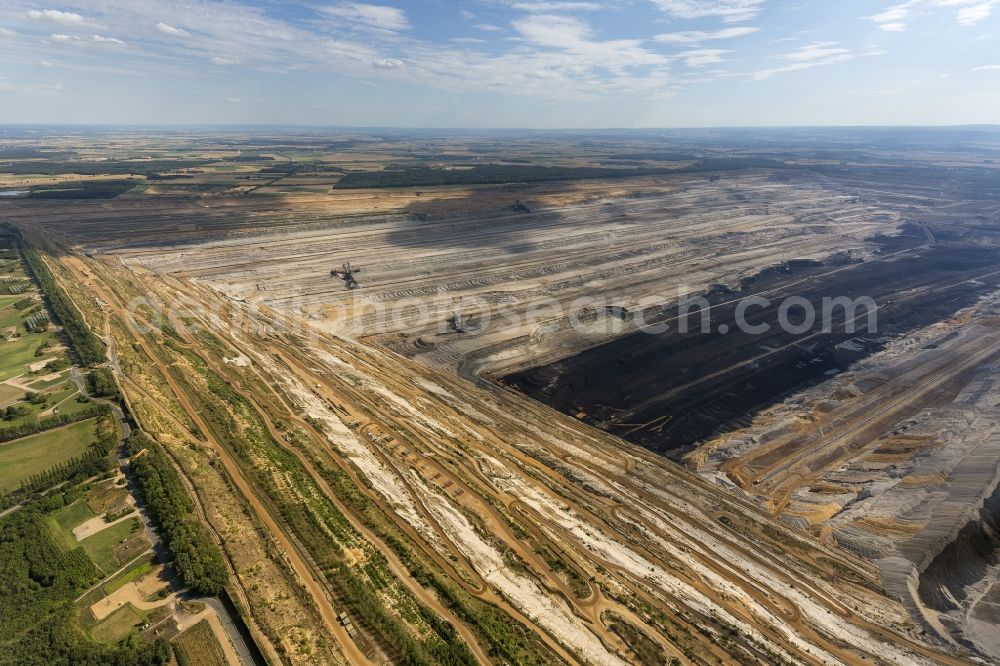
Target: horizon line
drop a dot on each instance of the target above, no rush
(5, 124)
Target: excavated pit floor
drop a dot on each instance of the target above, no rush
(670, 390)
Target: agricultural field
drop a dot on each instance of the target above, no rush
(50, 380)
(198, 646)
(69, 517)
(106, 548)
(118, 602)
(26, 354)
(134, 571)
(21, 359)
(9, 393)
(111, 539)
(118, 625)
(32, 455)
(110, 497)
(60, 398)
(27, 337)
(43, 577)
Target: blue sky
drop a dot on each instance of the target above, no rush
(502, 63)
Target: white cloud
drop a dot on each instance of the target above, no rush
(553, 31)
(7, 32)
(814, 55)
(576, 37)
(83, 41)
(488, 27)
(101, 39)
(224, 32)
(168, 29)
(542, 6)
(702, 57)
(370, 17)
(987, 68)
(698, 36)
(233, 100)
(893, 19)
(730, 11)
(970, 12)
(892, 14)
(817, 51)
(564, 60)
(76, 40)
(975, 13)
(57, 16)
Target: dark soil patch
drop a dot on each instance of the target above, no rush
(669, 390)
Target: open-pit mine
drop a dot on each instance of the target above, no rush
(529, 419)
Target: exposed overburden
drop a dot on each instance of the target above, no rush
(378, 500)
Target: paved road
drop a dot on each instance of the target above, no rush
(226, 618)
(11, 510)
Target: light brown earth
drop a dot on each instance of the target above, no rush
(98, 524)
(472, 475)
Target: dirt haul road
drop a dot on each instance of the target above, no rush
(642, 529)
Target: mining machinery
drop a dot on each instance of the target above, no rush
(347, 275)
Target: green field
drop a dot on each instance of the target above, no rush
(11, 317)
(137, 570)
(101, 546)
(198, 647)
(64, 398)
(118, 625)
(9, 393)
(24, 457)
(43, 385)
(68, 403)
(62, 522)
(17, 354)
(75, 514)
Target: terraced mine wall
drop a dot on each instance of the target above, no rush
(967, 560)
(670, 390)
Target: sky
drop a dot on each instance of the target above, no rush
(501, 63)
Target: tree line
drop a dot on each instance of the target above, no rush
(88, 347)
(102, 383)
(94, 461)
(32, 426)
(196, 558)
